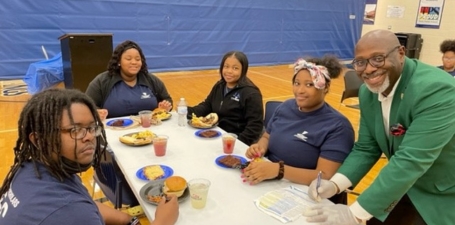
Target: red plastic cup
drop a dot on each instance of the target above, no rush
(160, 145)
(228, 142)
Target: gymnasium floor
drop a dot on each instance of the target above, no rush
(274, 82)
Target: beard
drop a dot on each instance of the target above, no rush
(383, 86)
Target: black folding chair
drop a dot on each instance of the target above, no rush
(352, 85)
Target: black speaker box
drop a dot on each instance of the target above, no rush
(412, 43)
(84, 56)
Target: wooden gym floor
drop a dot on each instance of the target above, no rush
(274, 82)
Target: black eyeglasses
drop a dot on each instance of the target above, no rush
(80, 132)
(376, 61)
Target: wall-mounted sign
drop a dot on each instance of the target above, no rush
(430, 13)
(370, 11)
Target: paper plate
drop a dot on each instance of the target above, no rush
(140, 142)
(199, 127)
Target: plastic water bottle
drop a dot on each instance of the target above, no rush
(182, 110)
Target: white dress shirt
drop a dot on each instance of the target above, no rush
(341, 180)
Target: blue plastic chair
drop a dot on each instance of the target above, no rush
(270, 108)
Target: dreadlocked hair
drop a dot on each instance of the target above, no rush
(42, 116)
(114, 63)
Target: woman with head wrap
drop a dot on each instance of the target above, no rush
(305, 135)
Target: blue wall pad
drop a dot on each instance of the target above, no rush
(182, 34)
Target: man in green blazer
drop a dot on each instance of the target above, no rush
(407, 112)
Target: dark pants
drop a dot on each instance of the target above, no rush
(404, 213)
(341, 198)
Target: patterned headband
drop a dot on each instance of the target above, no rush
(319, 74)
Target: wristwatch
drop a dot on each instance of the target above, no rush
(134, 221)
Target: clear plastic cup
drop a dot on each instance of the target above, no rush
(199, 189)
(228, 142)
(146, 118)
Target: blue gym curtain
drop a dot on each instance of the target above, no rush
(182, 34)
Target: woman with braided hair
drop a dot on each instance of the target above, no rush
(305, 135)
(60, 136)
(127, 87)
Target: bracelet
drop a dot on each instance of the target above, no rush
(134, 221)
(280, 171)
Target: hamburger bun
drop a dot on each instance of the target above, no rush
(211, 118)
(204, 122)
(160, 113)
(174, 185)
(127, 139)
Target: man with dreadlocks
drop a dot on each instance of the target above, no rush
(59, 136)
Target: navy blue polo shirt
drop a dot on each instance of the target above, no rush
(451, 73)
(125, 100)
(300, 138)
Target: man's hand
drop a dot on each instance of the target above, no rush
(330, 215)
(326, 189)
(167, 212)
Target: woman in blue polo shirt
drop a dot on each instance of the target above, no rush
(305, 135)
(127, 87)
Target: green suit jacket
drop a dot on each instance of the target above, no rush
(421, 161)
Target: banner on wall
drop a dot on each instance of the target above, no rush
(370, 11)
(430, 13)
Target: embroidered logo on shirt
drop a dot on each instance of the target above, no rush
(236, 97)
(145, 95)
(301, 136)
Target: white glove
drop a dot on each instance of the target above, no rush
(326, 189)
(330, 215)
